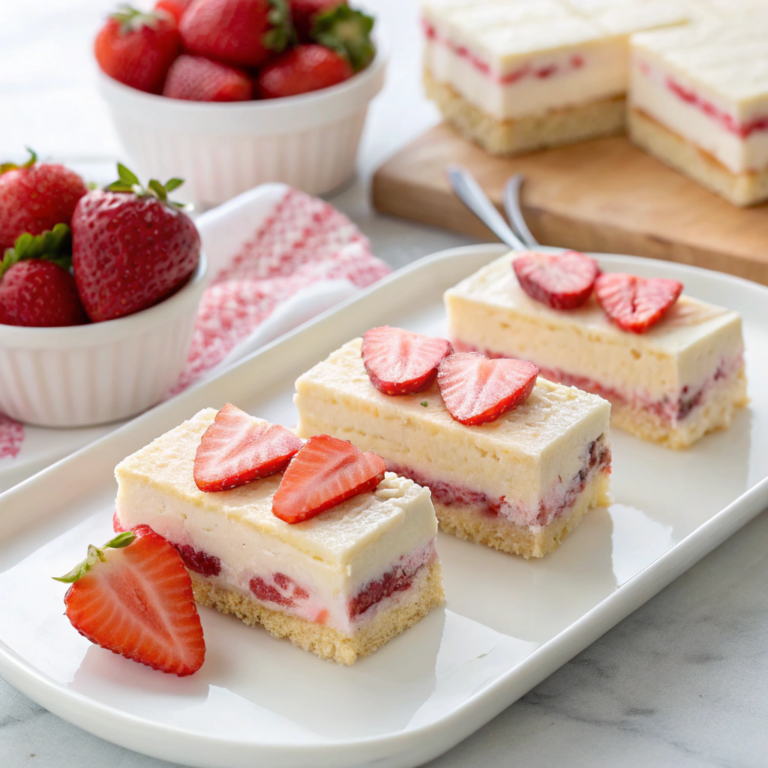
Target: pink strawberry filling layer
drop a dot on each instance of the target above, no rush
(281, 591)
(527, 70)
(673, 408)
(556, 502)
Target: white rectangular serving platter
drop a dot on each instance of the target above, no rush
(507, 623)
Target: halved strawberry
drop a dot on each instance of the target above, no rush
(477, 390)
(325, 472)
(559, 280)
(134, 597)
(634, 303)
(235, 450)
(401, 362)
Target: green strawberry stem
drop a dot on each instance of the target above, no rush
(132, 19)
(13, 166)
(96, 554)
(348, 32)
(129, 182)
(52, 245)
(282, 35)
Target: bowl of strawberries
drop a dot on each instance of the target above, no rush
(236, 93)
(99, 291)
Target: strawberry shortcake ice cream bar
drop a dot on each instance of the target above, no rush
(340, 582)
(675, 375)
(517, 477)
(699, 102)
(519, 75)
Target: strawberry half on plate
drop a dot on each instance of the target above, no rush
(133, 597)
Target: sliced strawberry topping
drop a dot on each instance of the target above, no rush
(477, 390)
(634, 303)
(134, 597)
(325, 472)
(401, 362)
(559, 280)
(235, 450)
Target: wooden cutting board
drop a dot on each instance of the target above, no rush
(602, 195)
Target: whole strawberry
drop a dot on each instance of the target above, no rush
(137, 48)
(195, 78)
(131, 247)
(303, 69)
(242, 33)
(35, 197)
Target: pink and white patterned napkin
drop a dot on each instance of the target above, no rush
(276, 258)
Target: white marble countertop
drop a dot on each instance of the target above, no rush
(680, 682)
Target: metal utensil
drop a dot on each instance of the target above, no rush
(471, 194)
(514, 213)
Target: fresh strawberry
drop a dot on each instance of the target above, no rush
(301, 70)
(131, 248)
(175, 8)
(35, 197)
(134, 597)
(39, 294)
(634, 303)
(242, 33)
(401, 362)
(477, 390)
(304, 13)
(137, 48)
(36, 288)
(195, 78)
(235, 449)
(559, 280)
(325, 472)
(346, 31)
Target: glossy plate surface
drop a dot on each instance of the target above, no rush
(507, 624)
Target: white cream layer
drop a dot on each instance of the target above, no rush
(708, 83)
(490, 311)
(521, 456)
(332, 556)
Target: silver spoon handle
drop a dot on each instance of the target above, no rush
(514, 212)
(470, 193)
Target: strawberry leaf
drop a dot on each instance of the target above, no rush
(96, 554)
(348, 32)
(14, 166)
(282, 33)
(126, 175)
(172, 184)
(52, 245)
(129, 182)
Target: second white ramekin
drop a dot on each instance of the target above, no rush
(92, 374)
(309, 142)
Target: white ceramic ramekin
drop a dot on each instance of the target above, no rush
(309, 142)
(93, 374)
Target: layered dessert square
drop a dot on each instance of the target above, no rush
(519, 484)
(699, 102)
(519, 75)
(339, 585)
(680, 379)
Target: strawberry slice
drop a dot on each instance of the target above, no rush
(235, 450)
(477, 390)
(401, 362)
(325, 472)
(134, 597)
(559, 280)
(634, 303)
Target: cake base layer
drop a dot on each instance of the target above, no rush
(425, 593)
(512, 137)
(716, 412)
(499, 533)
(742, 189)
